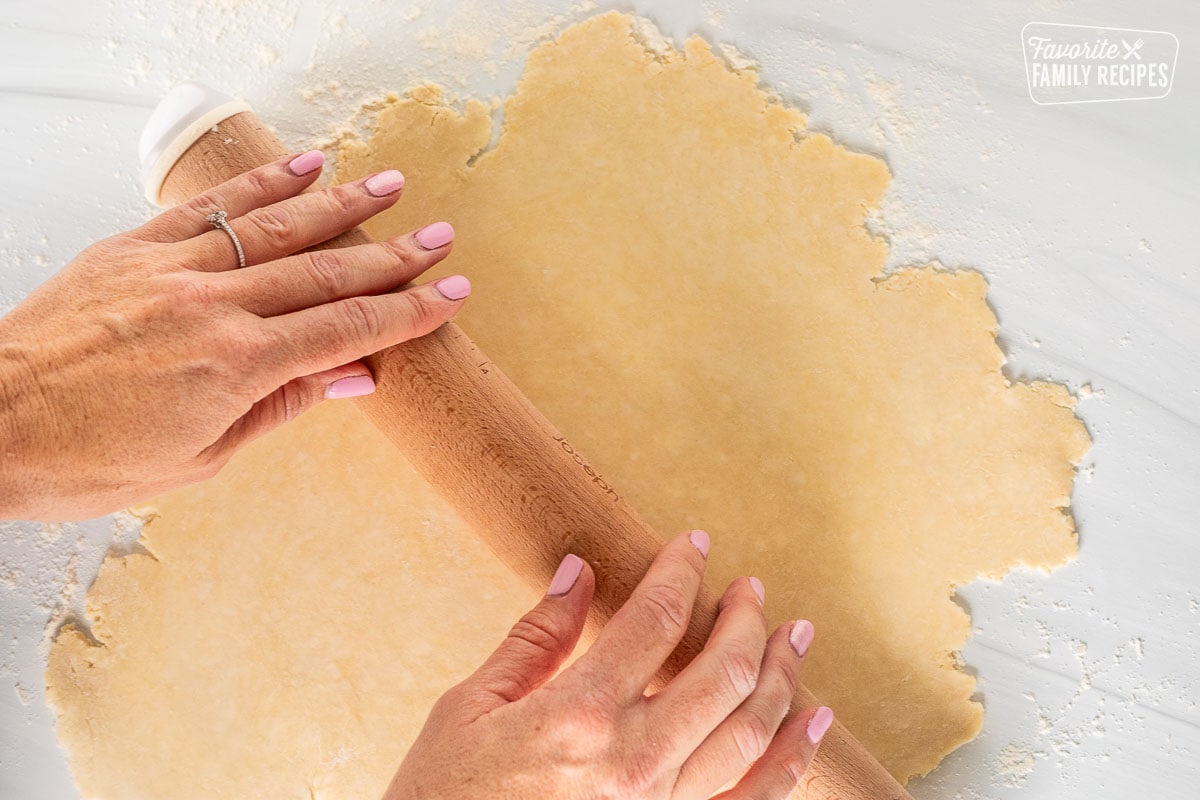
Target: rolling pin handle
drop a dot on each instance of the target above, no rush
(180, 118)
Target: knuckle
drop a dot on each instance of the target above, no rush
(789, 682)
(593, 714)
(242, 355)
(111, 247)
(209, 254)
(258, 182)
(362, 318)
(751, 735)
(399, 254)
(294, 397)
(327, 270)
(739, 670)
(188, 297)
(791, 769)
(342, 202)
(254, 353)
(276, 224)
(257, 342)
(421, 310)
(669, 607)
(686, 560)
(695, 563)
(580, 736)
(539, 629)
(194, 292)
(204, 204)
(643, 768)
(451, 700)
(595, 696)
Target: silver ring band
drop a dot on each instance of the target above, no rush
(220, 221)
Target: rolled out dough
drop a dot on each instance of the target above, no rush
(679, 276)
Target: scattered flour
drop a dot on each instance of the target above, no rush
(1014, 764)
(267, 56)
(736, 59)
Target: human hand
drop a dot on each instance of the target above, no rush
(514, 730)
(150, 359)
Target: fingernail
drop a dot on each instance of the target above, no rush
(757, 586)
(801, 636)
(700, 540)
(431, 237)
(356, 386)
(456, 287)
(566, 575)
(306, 162)
(821, 719)
(385, 183)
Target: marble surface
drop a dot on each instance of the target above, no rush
(1078, 216)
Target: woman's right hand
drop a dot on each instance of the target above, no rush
(150, 359)
(515, 730)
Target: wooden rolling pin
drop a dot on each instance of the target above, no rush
(528, 493)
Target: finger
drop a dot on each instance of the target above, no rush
(288, 402)
(776, 774)
(267, 184)
(273, 231)
(718, 679)
(322, 276)
(537, 645)
(745, 734)
(320, 338)
(633, 645)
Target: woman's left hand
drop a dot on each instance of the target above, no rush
(150, 359)
(521, 729)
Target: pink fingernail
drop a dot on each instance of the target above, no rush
(431, 237)
(701, 541)
(801, 636)
(356, 386)
(757, 586)
(821, 719)
(566, 575)
(384, 183)
(306, 162)
(456, 287)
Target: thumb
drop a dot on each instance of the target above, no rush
(540, 641)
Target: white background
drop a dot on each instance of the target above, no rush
(1082, 217)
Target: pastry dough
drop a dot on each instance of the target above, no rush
(678, 274)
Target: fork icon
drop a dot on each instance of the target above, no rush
(1132, 50)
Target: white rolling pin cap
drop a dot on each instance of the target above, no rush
(187, 111)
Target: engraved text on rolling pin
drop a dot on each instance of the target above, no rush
(591, 473)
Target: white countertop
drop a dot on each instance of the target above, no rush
(1080, 216)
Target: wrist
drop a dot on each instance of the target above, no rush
(17, 480)
(11, 491)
